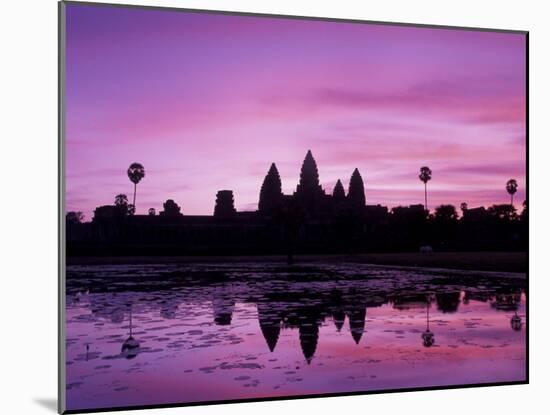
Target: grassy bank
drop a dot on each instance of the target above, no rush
(482, 261)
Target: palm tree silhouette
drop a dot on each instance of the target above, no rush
(136, 172)
(425, 176)
(511, 188)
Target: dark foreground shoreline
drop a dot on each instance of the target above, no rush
(478, 261)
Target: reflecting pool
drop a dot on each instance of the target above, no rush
(162, 334)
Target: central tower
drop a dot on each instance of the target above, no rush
(309, 192)
(309, 177)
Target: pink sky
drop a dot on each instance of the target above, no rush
(207, 102)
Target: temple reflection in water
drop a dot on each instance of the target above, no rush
(230, 330)
(306, 312)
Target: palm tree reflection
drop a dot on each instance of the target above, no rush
(428, 338)
(515, 322)
(130, 347)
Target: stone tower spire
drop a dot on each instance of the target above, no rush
(338, 193)
(356, 192)
(309, 176)
(357, 323)
(225, 205)
(309, 336)
(270, 324)
(271, 192)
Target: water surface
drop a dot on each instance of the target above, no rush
(161, 334)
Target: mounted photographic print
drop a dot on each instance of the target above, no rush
(260, 207)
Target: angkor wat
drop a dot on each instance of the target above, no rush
(308, 221)
(309, 197)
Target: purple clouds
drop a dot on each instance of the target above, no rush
(206, 102)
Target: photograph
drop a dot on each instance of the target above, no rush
(258, 207)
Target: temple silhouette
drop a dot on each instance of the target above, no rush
(310, 197)
(309, 221)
